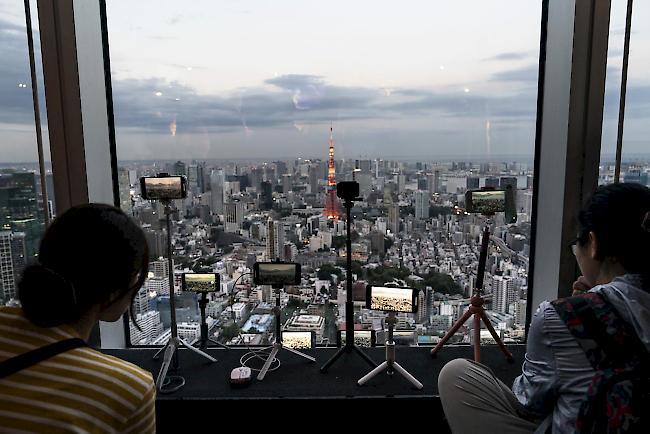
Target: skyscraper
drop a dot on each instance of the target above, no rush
(393, 218)
(274, 240)
(266, 196)
(234, 216)
(12, 262)
(421, 204)
(217, 180)
(331, 201)
(504, 292)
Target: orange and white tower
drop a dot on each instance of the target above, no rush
(331, 201)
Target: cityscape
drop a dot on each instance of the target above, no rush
(409, 229)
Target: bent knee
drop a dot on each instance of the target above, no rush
(451, 372)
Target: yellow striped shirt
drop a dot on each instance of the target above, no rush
(80, 391)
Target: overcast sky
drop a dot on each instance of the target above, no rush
(240, 79)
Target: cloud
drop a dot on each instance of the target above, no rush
(513, 55)
(528, 73)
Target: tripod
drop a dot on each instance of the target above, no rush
(390, 365)
(349, 346)
(277, 346)
(476, 309)
(171, 355)
(204, 339)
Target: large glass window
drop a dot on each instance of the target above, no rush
(22, 205)
(418, 102)
(635, 161)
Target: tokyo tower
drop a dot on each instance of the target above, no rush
(331, 201)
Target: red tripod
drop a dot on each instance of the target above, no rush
(476, 309)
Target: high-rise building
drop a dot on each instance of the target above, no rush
(393, 218)
(332, 208)
(473, 182)
(19, 208)
(274, 240)
(12, 263)
(433, 181)
(179, 168)
(286, 183)
(125, 190)
(266, 196)
(159, 268)
(401, 182)
(504, 292)
(217, 180)
(506, 181)
(234, 216)
(492, 182)
(377, 242)
(157, 241)
(421, 204)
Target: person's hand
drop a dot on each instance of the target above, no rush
(581, 286)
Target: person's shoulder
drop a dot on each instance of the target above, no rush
(142, 379)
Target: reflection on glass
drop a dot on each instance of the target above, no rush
(264, 123)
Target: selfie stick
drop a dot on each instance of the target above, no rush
(349, 346)
(277, 346)
(390, 365)
(174, 342)
(476, 308)
(203, 341)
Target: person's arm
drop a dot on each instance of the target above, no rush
(143, 419)
(536, 387)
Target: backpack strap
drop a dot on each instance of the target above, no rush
(30, 358)
(607, 340)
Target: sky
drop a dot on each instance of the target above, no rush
(226, 79)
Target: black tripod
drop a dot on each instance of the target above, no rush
(476, 308)
(348, 191)
(171, 383)
(204, 339)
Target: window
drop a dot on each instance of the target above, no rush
(420, 104)
(23, 206)
(635, 161)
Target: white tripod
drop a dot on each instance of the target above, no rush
(277, 346)
(390, 364)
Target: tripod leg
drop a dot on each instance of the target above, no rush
(477, 337)
(452, 331)
(364, 356)
(267, 363)
(408, 376)
(170, 348)
(496, 337)
(219, 344)
(157, 355)
(197, 351)
(298, 353)
(379, 369)
(331, 361)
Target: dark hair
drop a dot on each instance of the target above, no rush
(88, 255)
(617, 214)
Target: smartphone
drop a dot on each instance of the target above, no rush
(276, 273)
(163, 187)
(362, 338)
(392, 299)
(200, 282)
(298, 340)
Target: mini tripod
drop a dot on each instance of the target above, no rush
(277, 346)
(390, 365)
(204, 339)
(476, 309)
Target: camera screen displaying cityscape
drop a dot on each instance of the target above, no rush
(297, 340)
(391, 299)
(163, 187)
(201, 282)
